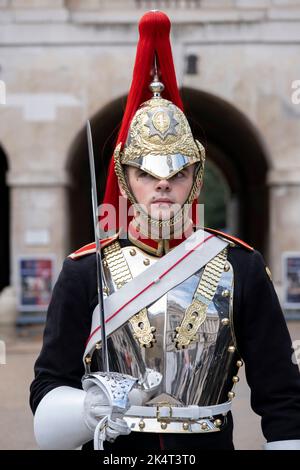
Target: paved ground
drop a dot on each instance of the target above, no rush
(16, 375)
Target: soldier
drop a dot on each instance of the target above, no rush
(184, 308)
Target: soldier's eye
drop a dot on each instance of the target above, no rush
(145, 175)
(179, 175)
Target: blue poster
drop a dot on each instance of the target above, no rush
(292, 280)
(36, 279)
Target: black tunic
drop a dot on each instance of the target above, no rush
(262, 340)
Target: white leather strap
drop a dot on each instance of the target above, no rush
(192, 412)
(292, 444)
(99, 434)
(108, 429)
(169, 271)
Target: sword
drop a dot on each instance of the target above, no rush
(105, 363)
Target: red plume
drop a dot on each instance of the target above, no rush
(154, 28)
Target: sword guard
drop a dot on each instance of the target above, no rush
(115, 385)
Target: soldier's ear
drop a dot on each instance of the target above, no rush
(122, 191)
(197, 194)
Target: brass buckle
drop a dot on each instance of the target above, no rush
(164, 418)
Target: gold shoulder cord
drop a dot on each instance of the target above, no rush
(195, 314)
(121, 274)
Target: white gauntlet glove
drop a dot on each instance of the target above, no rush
(97, 412)
(105, 404)
(67, 417)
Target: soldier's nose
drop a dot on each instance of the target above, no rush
(163, 185)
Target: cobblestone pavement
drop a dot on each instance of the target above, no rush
(16, 375)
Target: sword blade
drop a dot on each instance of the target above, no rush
(105, 363)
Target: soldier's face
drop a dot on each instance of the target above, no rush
(161, 198)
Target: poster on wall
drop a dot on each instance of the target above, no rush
(291, 279)
(36, 280)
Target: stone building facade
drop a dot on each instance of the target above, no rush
(66, 61)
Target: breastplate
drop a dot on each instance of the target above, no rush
(202, 373)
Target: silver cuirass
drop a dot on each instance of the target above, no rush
(200, 372)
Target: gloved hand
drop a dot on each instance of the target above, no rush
(105, 404)
(96, 406)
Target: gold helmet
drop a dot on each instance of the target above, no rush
(159, 142)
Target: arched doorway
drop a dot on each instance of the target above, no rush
(4, 217)
(233, 146)
(105, 126)
(235, 157)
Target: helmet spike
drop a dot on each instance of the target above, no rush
(156, 86)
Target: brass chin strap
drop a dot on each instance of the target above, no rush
(121, 274)
(195, 314)
(180, 214)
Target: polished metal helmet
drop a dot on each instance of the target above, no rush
(160, 142)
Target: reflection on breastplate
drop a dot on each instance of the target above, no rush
(201, 374)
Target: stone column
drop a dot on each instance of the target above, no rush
(38, 227)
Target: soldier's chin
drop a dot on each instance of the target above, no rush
(162, 214)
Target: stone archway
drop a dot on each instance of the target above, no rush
(4, 217)
(105, 126)
(233, 146)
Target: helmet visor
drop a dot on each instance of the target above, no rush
(162, 166)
